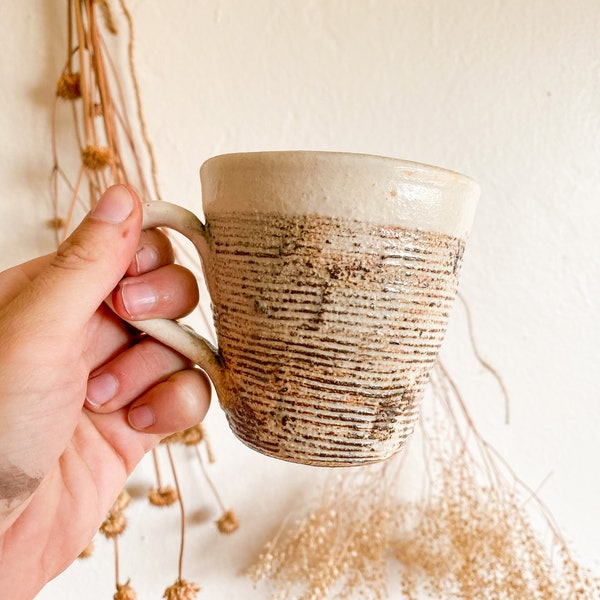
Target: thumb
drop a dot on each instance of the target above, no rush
(91, 261)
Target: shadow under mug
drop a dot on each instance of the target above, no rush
(331, 277)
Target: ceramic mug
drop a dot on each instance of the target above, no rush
(331, 277)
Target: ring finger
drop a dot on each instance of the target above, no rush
(133, 372)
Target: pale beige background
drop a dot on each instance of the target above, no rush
(507, 92)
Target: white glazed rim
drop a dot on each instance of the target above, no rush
(366, 187)
(412, 167)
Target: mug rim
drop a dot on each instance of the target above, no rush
(408, 165)
(366, 187)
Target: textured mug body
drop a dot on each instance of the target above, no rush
(331, 277)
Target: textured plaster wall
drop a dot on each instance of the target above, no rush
(505, 91)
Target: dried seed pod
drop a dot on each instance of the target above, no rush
(163, 496)
(109, 22)
(124, 592)
(190, 436)
(56, 223)
(68, 86)
(182, 590)
(97, 157)
(193, 435)
(173, 438)
(122, 501)
(114, 524)
(228, 522)
(87, 551)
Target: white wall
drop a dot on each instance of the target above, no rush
(505, 91)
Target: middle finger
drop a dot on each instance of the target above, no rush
(131, 373)
(169, 292)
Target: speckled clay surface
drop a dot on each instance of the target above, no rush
(328, 328)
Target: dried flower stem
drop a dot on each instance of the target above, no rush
(69, 66)
(493, 457)
(181, 509)
(159, 482)
(484, 363)
(340, 547)
(116, 553)
(105, 97)
(83, 69)
(210, 454)
(161, 495)
(72, 206)
(107, 15)
(122, 117)
(138, 100)
(209, 480)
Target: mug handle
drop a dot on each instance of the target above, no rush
(181, 338)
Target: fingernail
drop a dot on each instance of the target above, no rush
(101, 389)
(114, 206)
(146, 258)
(138, 298)
(141, 417)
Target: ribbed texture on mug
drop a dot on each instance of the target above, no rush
(328, 329)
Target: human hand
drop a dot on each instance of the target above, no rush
(82, 399)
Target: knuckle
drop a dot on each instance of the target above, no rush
(193, 388)
(200, 388)
(151, 360)
(72, 254)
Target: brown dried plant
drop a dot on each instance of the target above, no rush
(182, 590)
(475, 536)
(87, 551)
(228, 522)
(114, 524)
(124, 592)
(161, 495)
(470, 535)
(102, 148)
(112, 527)
(340, 548)
(194, 437)
(190, 436)
(105, 138)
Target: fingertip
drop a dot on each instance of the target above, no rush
(114, 206)
(136, 298)
(178, 403)
(141, 417)
(101, 389)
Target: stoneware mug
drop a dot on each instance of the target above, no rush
(331, 277)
